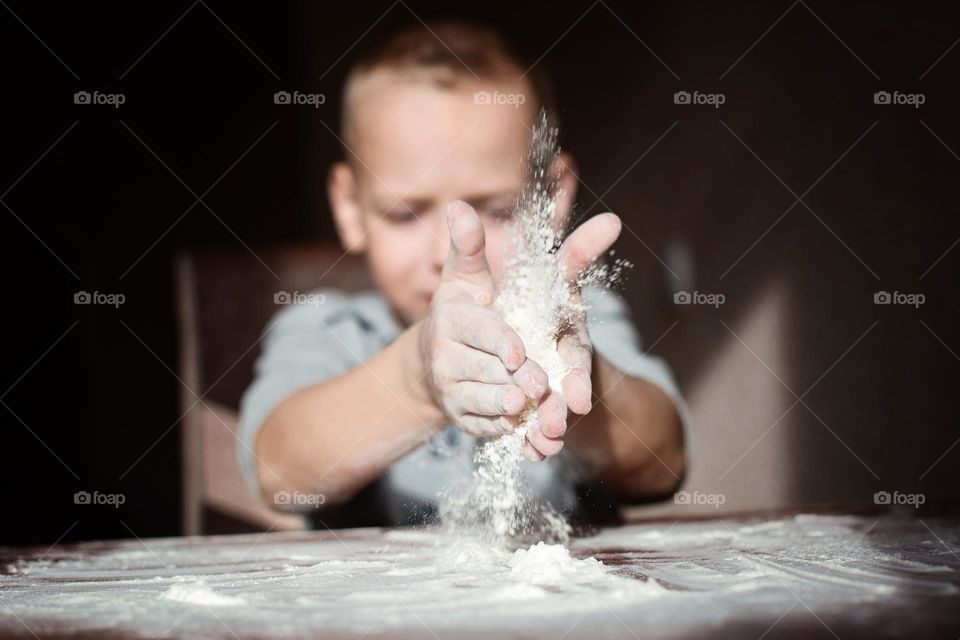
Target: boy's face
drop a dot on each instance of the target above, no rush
(418, 147)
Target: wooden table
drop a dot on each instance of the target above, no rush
(889, 574)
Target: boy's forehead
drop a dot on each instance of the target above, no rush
(418, 138)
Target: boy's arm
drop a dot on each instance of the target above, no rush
(337, 436)
(631, 439)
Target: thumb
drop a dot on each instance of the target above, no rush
(466, 258)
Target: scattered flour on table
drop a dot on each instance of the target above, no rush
(675, 580)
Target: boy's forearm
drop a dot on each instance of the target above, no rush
(335, 437)
(631, 440)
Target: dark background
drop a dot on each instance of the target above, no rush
(95, 210)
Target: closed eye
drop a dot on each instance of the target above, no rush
(400, 216)
(497, 212)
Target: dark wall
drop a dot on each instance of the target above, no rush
(101, 199)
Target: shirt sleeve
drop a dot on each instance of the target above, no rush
(305, 344)
(614, 337)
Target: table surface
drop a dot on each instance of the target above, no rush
(891, 574)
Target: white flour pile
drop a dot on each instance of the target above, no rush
(551, 564)
(536, 300)
(198, 592)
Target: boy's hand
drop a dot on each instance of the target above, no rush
(580, 249)
(478, 372)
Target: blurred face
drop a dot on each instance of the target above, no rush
(417, 148)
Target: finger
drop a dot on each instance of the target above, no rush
(466, 258)
(577, 383)
(467, 363)
(588, 242)
(552, 415)
(543, 444)
(530, 452)
(485, 331)
(488, 399)
(532, 379)
(485, 426)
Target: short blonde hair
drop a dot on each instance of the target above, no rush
(446, 54)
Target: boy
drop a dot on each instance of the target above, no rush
(378, 399)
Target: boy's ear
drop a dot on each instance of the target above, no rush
(566, 168)
(347, 213)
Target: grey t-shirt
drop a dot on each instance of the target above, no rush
(331, 332)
